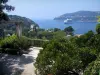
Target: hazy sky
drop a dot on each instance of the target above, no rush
(48, 9)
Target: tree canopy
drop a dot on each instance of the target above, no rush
(93, 68)
(98, 28)
(4, 6)
(62, 56)
(98, 18)
(59, 56)
(69, 30)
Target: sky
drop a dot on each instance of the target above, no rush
(49, 9)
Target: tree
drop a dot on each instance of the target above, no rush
(98, 18)
(93, 68)
(59, 34)
(46, 34)
(58, 57)
(94, 43)
(69, 30)
(63, 57)
(1, 32)
(98, 25)
(4, 6)
(87, 56)
(56, 29)
(84, 40)
(41, 29)
(98, 28)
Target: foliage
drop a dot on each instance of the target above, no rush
(98, 28)
(93, 68)
(37, 42)
(40, 29)
(51, 35)
(94, 43)
(86, 56)
(84, 40)
(57, 56)
(46, 34)
(98, 18)
(59, 34)
(69, 30)
(61, 55)
(31, 34)
(7, 43)
(1, 33)
(13, 44)
(4, 6)
(72, 55)
(88, 46)
(56, 29)
(4, 43)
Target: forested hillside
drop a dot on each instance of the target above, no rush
(26, 21)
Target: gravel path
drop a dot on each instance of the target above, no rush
(19, 65)
(29, 68)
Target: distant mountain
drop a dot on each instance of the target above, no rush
(27, 21)
(83, 16)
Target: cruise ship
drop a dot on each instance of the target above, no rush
(67, 21)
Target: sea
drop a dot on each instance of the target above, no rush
(79, 27)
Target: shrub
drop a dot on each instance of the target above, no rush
(7, 42)
(98, 28)
(57, 56)
(13, 44)
(37, 42)
(93, 68)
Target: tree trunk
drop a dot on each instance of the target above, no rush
(18, 30)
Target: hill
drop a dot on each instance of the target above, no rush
(26, 21)
(84, 16)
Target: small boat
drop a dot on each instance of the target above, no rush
(67, 21)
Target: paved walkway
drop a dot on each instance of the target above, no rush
(19, 65)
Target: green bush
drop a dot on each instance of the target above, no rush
(93, 68)
(57, 56)
(37, 42)
(8, 41)
(98, 28)
(13, 44)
